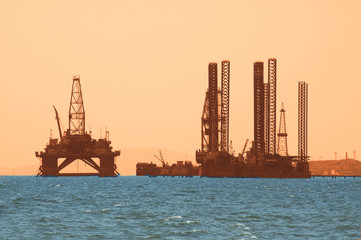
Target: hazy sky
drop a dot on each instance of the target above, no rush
(143, 69)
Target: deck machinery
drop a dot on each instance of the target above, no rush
(77, 144)
(261, 160)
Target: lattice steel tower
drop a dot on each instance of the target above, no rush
(213, 107)
(302, 121)
(225, 106)
(259, 146)
(76, 109)
(266, 117)
(282, 134)
(205, 131)
(272, 68)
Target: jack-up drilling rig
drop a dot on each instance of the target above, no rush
(214, 156)
(77, 144)
(261, 159)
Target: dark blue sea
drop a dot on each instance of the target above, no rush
(179, 208)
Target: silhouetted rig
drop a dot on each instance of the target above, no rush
(261, 160)
(76, 144)
(180, 169)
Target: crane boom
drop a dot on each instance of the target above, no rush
(57, 119)
(245, 145)
(161, 159)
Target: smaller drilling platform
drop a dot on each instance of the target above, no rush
(263, 159)
(77, 144)
(181, 169)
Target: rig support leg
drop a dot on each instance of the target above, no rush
(49, 166)
(107, 166)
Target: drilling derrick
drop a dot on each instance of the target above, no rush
(272, 62)
(282, 149)
(205, 125)
(225, 107)
(259, 145)
(214, 150)
(76, 144)
(76, 109)
(210, 115)
(262, 159)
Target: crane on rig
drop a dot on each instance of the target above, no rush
(76, 144)
(58, 121)
(245, 145)
(161, 159)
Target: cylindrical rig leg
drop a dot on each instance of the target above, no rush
(49, 166)
(107, 166)
(259, 148)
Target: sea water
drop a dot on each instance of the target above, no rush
(179, 208)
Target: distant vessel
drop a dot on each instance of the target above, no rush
(180, 169)
(147, 169)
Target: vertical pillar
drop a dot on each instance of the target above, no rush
(258, 111)
(225, 106)
(49, 166)
(213, 107)
(266, 117)
(302, 121)
(272, 68)
(107, 167)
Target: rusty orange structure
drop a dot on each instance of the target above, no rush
(77, 144)
(262, 159)
(181, 169)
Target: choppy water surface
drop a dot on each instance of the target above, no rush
(179, 208)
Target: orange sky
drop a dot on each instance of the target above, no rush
(143, 69)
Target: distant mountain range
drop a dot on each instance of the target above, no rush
(129, 157)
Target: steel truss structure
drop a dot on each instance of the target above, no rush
(225, 106)
(272, 78)
(76, 144)
(76, 109)
(258, 111)
(282, 134)
(302, 121)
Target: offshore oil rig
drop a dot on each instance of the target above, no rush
(77, 144)
(264, 158)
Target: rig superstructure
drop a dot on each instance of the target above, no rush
(181, 169)
(262, 159)
(77, 144)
